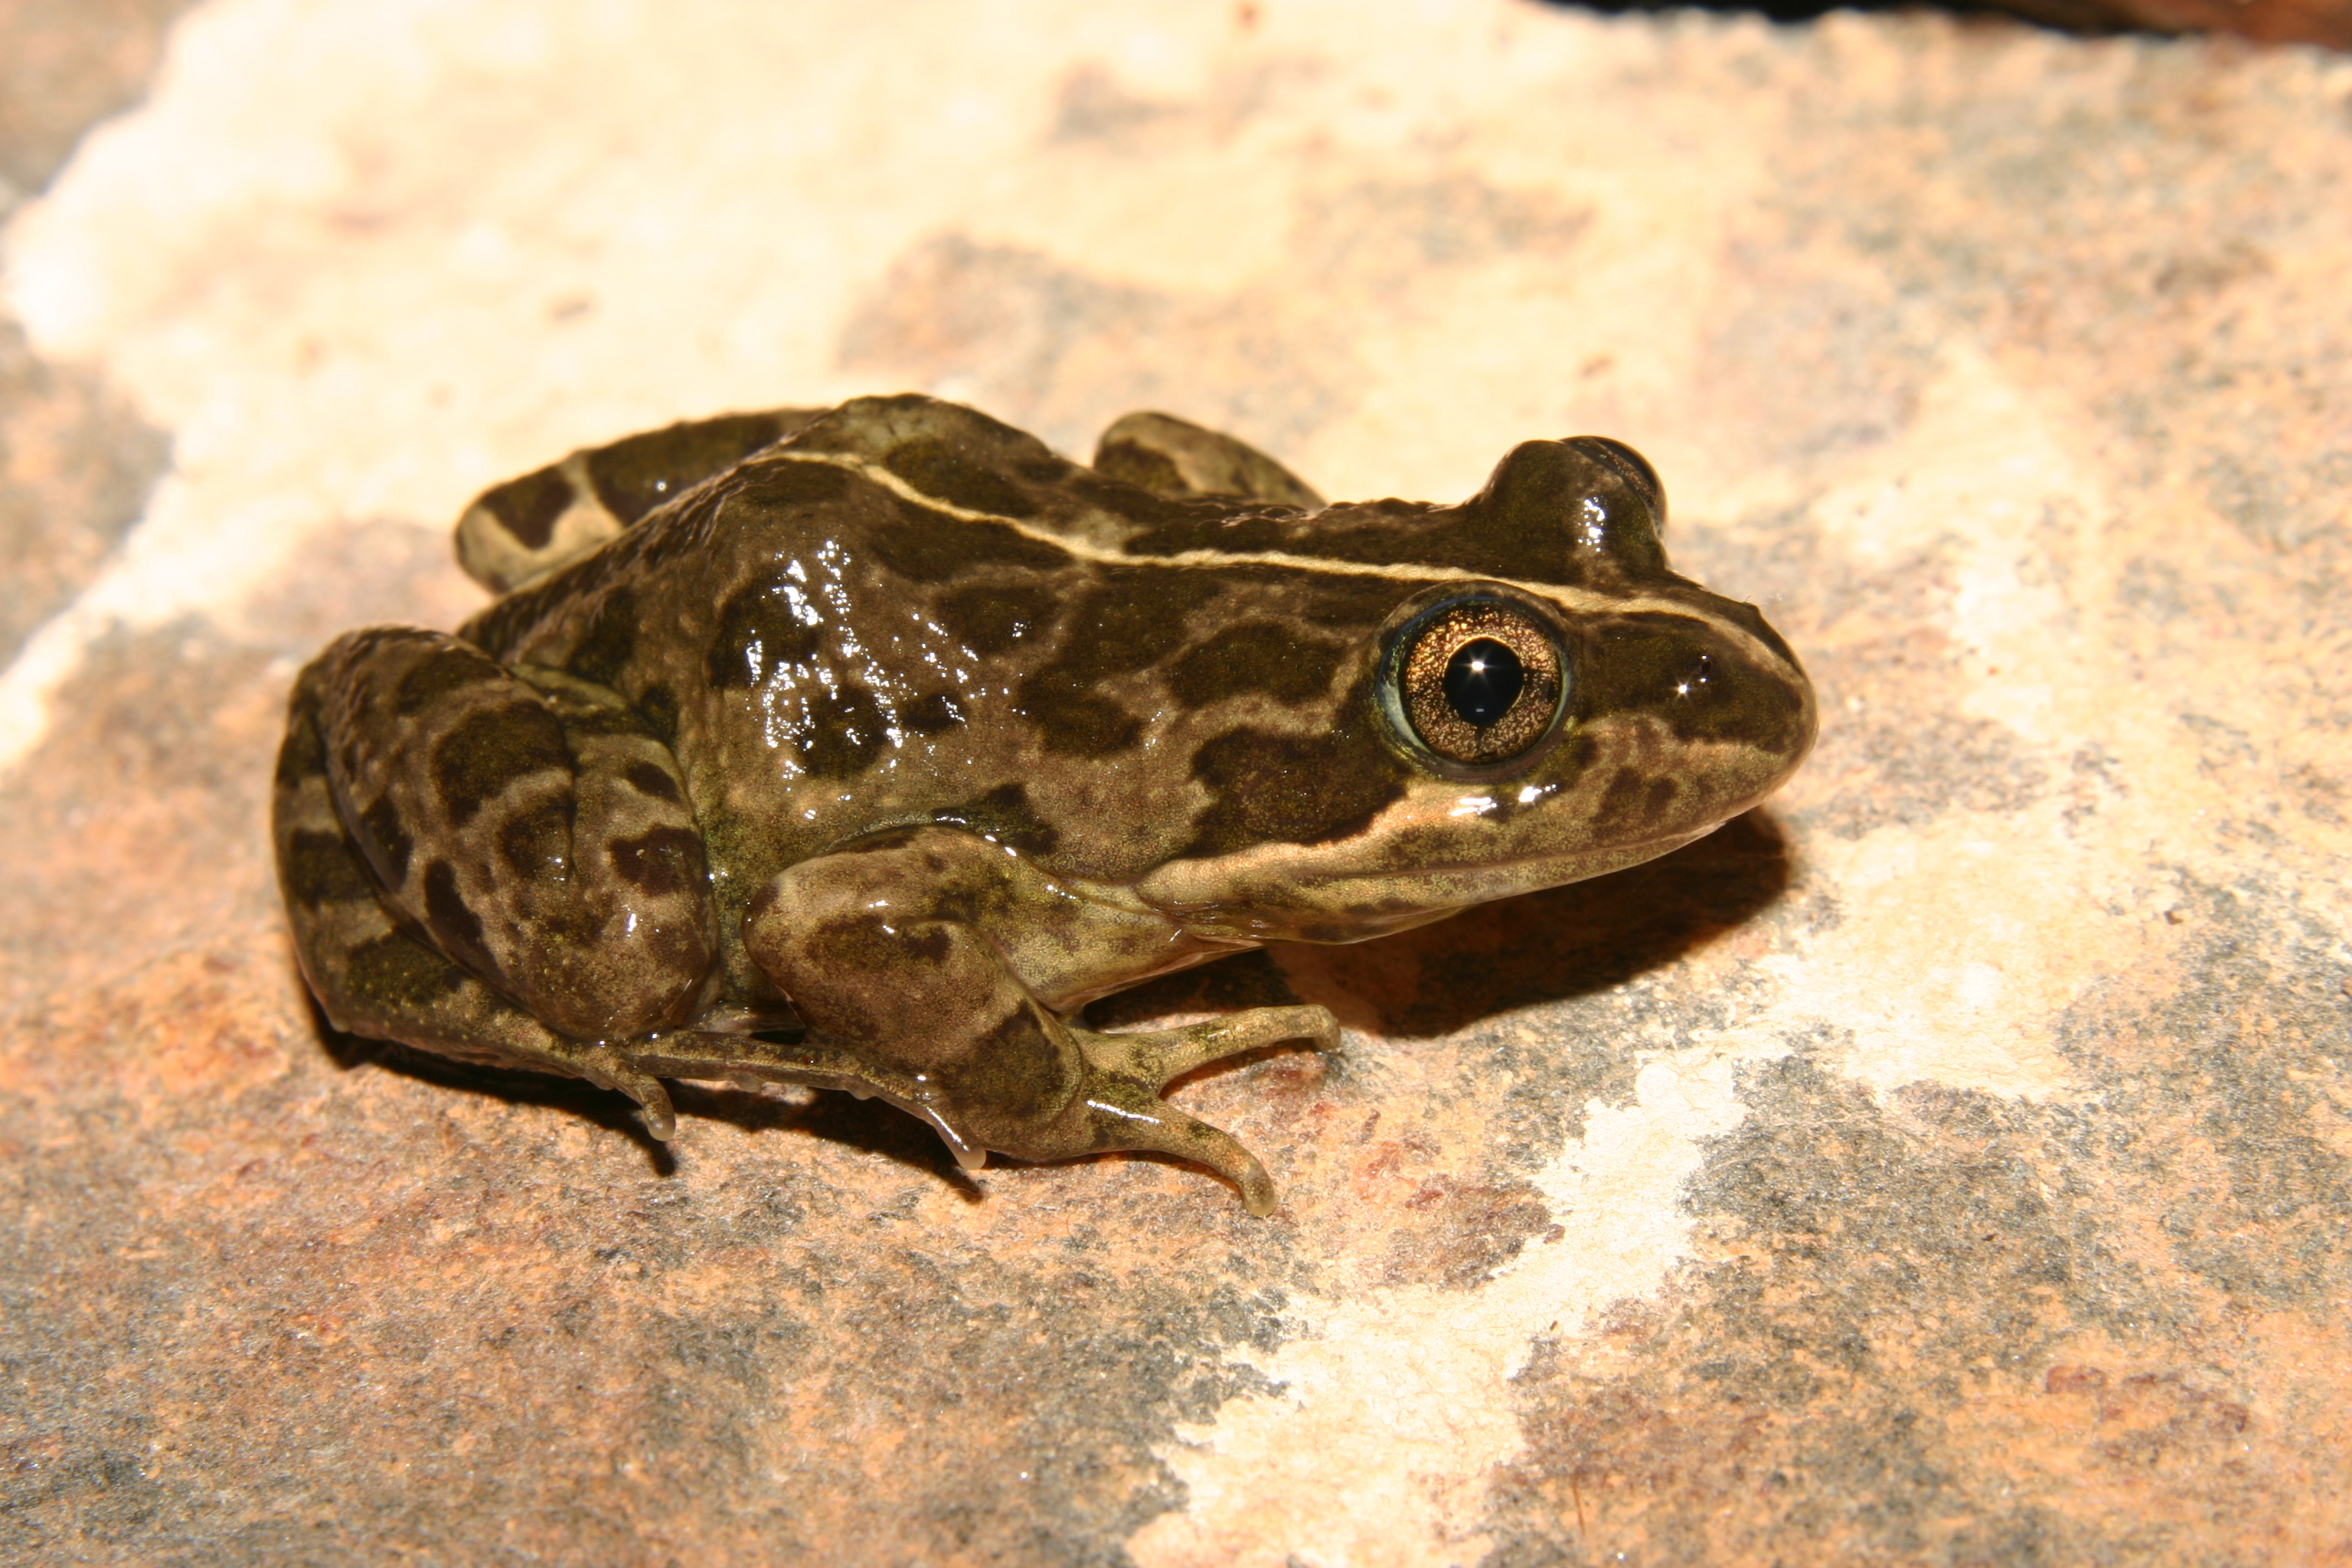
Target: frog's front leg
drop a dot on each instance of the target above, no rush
(943, 966)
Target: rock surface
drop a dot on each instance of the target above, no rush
(1950, 1162)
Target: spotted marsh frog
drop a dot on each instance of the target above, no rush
(862, 747)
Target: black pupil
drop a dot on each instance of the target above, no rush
(1483, 679)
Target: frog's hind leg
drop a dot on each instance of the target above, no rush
(1179, 460)
(376, 974)
(529, 526)
(495, 864)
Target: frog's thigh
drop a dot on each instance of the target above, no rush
(896, 955)
(1175, 458)
(529, 526)
(529, 822)
(372, 976)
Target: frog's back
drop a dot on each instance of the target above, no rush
(911, 613)
(527, 528)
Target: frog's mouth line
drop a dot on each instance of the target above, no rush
(1358, 904)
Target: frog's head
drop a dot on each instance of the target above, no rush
(1544, 700)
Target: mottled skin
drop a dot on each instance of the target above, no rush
(861, 748)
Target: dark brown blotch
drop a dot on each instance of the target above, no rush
(1292, 789)
(584, 719)
(1014, 1077)
(603, 650)
(659, 710)
(386, 840)
(536, 844)
(845, 734)
(1145, 467)
(526, 508)
(445, 670)
(1003, 815)
(325, 868)
(989, 618)
(1633, 801)
(1344, 602)
(1689, 675)
(634, 476)
(931, 715)
(927, 546)
(790, 482)
(492, 749)
(661, 860)
(759, 632)
(1139, 504)
(861, 945)
(935, 468)
(398, 973)
(1215, 526)
(1265, 656)
(1074, 721)
(652, 781)
(303, 756)
(1130, 620)
(458, 928)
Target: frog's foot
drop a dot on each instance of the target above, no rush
(1119, 1106)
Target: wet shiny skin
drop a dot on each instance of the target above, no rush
(862, 747)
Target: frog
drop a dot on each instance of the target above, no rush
(862, 748)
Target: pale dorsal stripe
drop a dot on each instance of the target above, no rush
(1573, 598)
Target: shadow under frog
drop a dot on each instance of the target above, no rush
(864, 748)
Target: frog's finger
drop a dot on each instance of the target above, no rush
(1159, 1057)
(607, 1067)
(1221, 1152)
(1125, 1113)
(1120, 1107)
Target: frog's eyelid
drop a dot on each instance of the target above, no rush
(1566, 595)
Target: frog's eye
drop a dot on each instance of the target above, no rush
(1479, 680)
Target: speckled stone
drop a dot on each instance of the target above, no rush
(1949, 1162)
